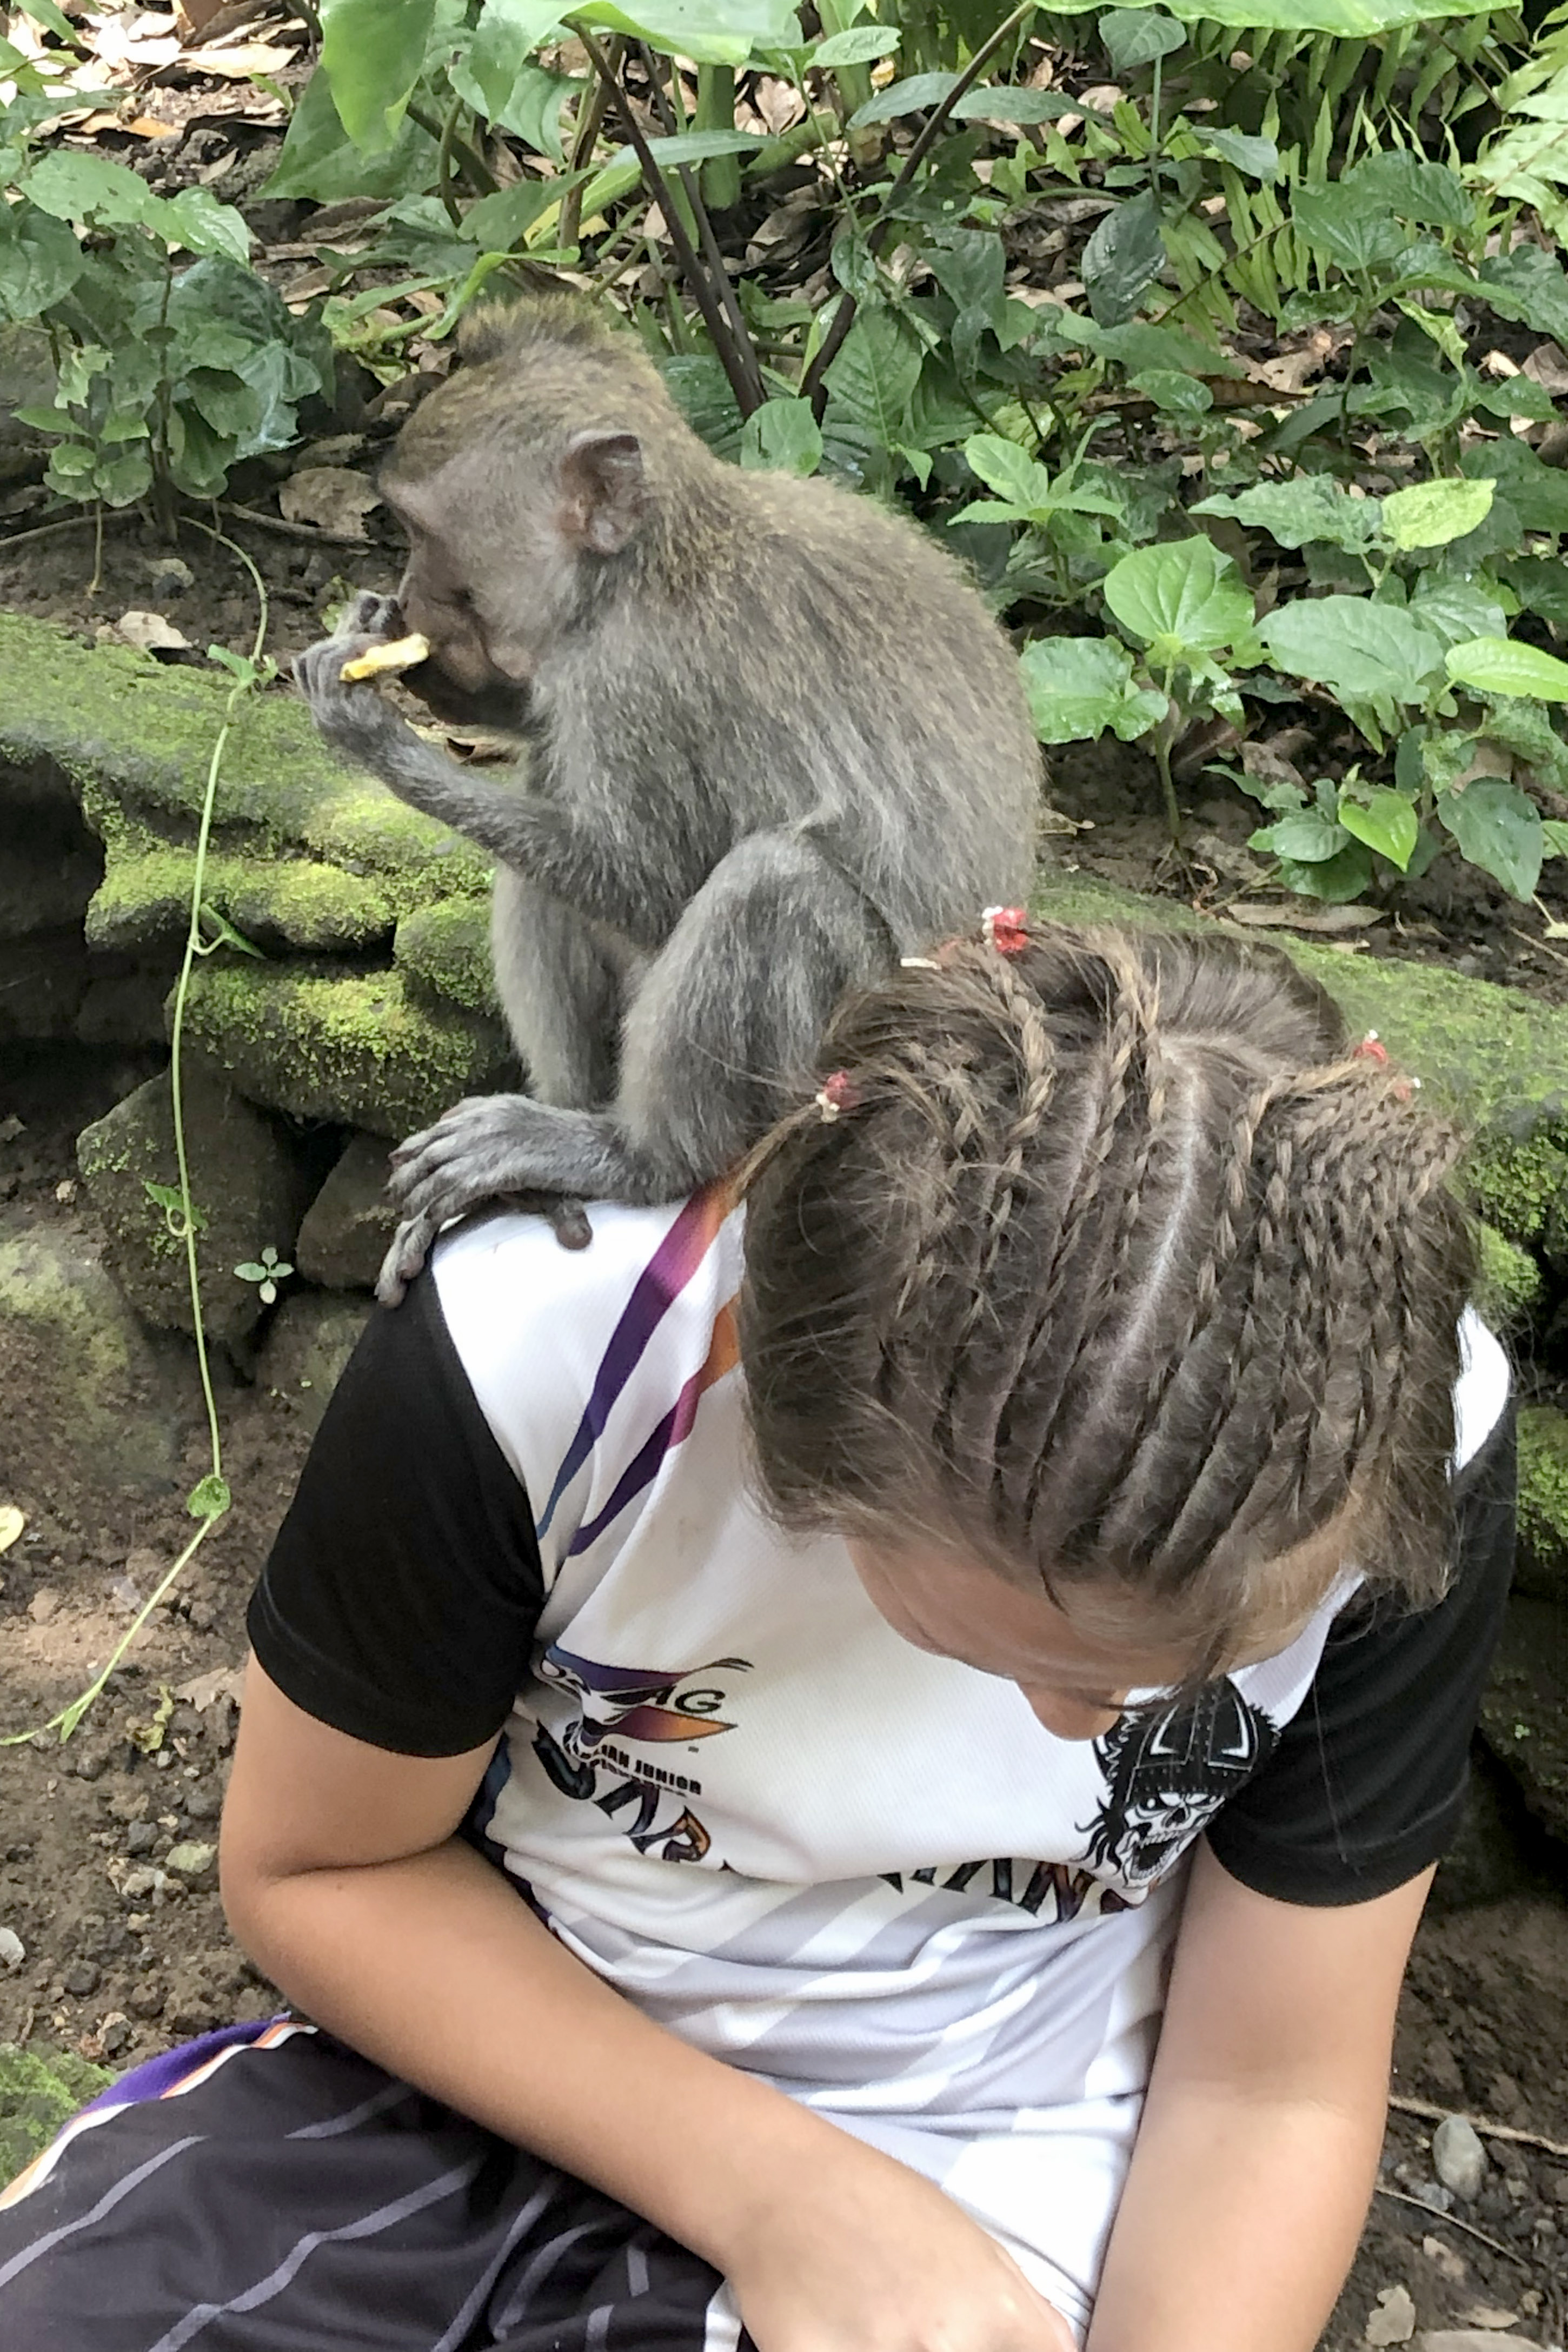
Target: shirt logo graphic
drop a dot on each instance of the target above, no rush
(620, 1708)
(1169, 1769)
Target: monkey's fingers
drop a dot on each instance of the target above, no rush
(411, 1245)
(387, 660)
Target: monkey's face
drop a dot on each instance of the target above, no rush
(462, 681)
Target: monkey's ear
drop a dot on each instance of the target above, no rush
(603, 491)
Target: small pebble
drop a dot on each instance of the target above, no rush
(190, 1860)
(113, 2035)
(203, 1805)
(1458, 2158)
(81, 1979)
(144, 1880)
(1394, 2321)
(141, 1837)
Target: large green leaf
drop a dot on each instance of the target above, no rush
(711, 32)
(1307, 835)
(1529, 284)
(1136, 37)
(1122, 259)
(1351, 20)
(1499, 665)
(1412, 186)
(1431, 514)
(1386, 821)
(1181, 597)
(1357, 235)
(1310, 508)
(1354, 646)
(860, 46)
(372, 53)
(782, 435)
(74, 186)
(40, 260)
(316, 162)
(875, 373)
(916, 94)
(1078, 687)
(1498, 828)
(526, 100)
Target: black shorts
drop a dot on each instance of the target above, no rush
(266, 2190)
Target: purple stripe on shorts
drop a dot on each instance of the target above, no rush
(156, 2077)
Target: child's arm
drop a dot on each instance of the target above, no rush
(343, 1877)
(1255, 2164)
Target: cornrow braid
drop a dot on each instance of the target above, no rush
(1119, 1268)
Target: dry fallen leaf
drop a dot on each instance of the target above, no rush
(1452, 2265)
(218, 1682)
(12, 1522)
(1394, 2321)
(1303, 918)
(334, 498)
(151, 633)
(249, 58)
(1487, 2316)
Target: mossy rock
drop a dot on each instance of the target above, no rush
(114, 718)
(1511, 1283)
(351, 1047)
(289, 902)
(1524, 1712)
(39, 2091)
(447, 947)
(107, 1404)
(347, 1230)
(1495, 1058)
(247, 1189)
(308, 1342)
(1542, 1570)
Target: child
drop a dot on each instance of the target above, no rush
(741, 1838)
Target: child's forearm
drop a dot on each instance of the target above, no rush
(436, 1968)
(1239, 2224)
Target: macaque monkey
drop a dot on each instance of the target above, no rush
(770, 741)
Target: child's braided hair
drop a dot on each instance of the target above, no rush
(1119, 1267)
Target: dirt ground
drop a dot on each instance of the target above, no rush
(124, 1955)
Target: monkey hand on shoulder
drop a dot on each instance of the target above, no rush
(486, 1148)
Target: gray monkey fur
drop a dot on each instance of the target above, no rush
(772, 740)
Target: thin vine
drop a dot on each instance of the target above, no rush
(209, 1499)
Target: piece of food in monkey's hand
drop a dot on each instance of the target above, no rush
(388, 660)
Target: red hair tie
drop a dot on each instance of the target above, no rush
(1005, 928)
(834, 1095)
(1370, 1049)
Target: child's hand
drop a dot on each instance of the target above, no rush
(868, 2257)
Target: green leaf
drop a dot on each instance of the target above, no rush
(53, 20)
(167, 1198)
(875, 375)
(696, 146)
(506, 36)
(858, 47)
(1502, 666)
(1010, 472)
(1541, 584)
(1136, 37)
(209, 1497)
(1432, 513)
(1555, 836)
(1000, 101)
(1310, 508)
(1178, 395)
(1538, 493)
(251, 1272)
(40, 260)
(1498, 828)
(195, 220)
(1528, 284)
(1456, 610)
(1307, 837)
(526, 100)
(1122, 259)
(1078, 687)
(1354, 20)
(317, 162)
(1331, 216)
(782, 435)
(1386, 822)
(916, 94)
(373, 54)
(1335, 881)
(1356, 647)
(74, 186)
(710, 32)
(1182, 596)
(499, 224)
(1413, 187)
(1257, 158)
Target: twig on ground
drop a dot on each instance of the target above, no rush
(1452, 2221)
(1429, 2113)
(309, 533)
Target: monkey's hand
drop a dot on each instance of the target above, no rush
(487, 1147)
(356, 719)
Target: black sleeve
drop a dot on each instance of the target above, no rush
(400, 1600)
(1364, 1788)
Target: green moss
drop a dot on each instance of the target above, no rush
(1493, 1057)
(289, 901)
(111, 716)
(1543, 1501)
(353, 1047)
(446, 947)
(39, 2091)
(1511, 1284)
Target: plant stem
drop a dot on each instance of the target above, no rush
(584, 139)
(814, 383)
(716, 112)
(737, 357)
(476, 170)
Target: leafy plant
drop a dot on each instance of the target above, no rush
(267, 1274)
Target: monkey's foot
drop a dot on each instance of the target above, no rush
(487, 1147)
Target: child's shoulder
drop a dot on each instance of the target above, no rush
(568, 1352)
